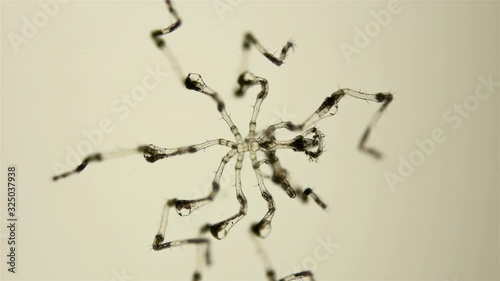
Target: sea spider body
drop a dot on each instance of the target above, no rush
(263, 141)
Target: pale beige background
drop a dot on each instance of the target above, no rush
(442, 223)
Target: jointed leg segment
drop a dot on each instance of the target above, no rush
(245, 81)
(156, 34)
(280, 174)
(186, 207)
(308, 192)
(202, 243)
(331, 104)
(250, 40)
(270, 273)
(160, 42)
(151, 153)
(221, 229)
(280, 177)
(97, 157)
(195, 82)
(263, 227)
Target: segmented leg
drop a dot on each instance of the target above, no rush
(202, 243)
(160, 42)
(313, 146)
(331, 104)
(263, 227)
(97, 157)
(280, 174)
(308, 192)
(249, 40)
(156, 34)
(221, 229)
(247, 80)
(280, 177)
(186, 207)
(270, 273)
(151, 153)
(299, 275)
(195, 82)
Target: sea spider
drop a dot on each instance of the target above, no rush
(309, 141)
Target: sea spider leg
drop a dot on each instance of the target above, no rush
(186, 207)
(263, 227)
(279, 174)
(195, 82)
(270, 273)
(156, 34)
(202, 243)
(301, 143)
(247, 80)
(249, 40)
(308, 192)
(151, 154)
(160, 43)
(221, 229)
(97, 157)
(304, 194)
(331, 104)
(299, 275)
